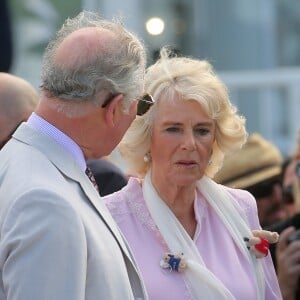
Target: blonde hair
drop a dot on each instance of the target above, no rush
(185, 78)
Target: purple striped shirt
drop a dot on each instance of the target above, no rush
(61, 138)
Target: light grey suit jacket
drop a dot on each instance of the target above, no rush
(57, 239)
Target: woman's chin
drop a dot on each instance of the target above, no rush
(186, 180)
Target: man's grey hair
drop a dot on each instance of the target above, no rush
(119, 68)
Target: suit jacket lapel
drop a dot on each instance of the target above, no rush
(103, 212)
(69, 167)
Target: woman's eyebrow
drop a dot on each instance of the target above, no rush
(176, 123)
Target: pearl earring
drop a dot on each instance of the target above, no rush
(210, 162)
(147, 157)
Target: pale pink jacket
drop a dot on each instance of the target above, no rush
(212, 239)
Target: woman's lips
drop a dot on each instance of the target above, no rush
(186, 163)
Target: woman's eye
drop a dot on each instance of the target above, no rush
(202, 131)
(172, 129)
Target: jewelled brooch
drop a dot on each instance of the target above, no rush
(174, 262)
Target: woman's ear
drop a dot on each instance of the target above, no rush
(113, 110)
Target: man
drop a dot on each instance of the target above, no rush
(18, 98)
(57, 239)
(286, 254)
(257, 168)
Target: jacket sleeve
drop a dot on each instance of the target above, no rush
(43, 249)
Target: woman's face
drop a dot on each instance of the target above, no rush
(181, 143)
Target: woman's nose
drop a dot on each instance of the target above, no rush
(189, 142)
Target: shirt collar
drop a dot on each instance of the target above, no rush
(61, 138)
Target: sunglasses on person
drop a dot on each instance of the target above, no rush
(297, 169)
(288, 192)
(144, 103)
(264, 188)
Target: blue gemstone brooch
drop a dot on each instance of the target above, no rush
(174, 262)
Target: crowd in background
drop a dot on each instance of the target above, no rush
(258, 167)
(274, 180)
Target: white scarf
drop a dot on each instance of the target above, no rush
(203, 284)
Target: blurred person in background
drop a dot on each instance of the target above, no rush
(291, 192)
(289, 177)
(257, 169)
(287, 193)
(6, 38)
(58, 240)
(286, 254)
(109, 177)
(18, 99)
(186, 231)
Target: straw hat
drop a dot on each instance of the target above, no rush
(257, 161)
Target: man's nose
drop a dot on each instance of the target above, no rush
(277, 193)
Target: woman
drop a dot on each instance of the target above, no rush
(187, 232)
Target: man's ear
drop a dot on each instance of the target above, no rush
(113, 110)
